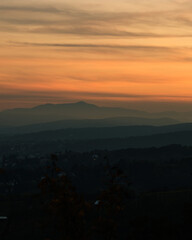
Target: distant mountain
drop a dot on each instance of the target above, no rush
(115, 132)
(76, 111)
(82, 140)
(57, 112)
(88, 123)
(120, 132)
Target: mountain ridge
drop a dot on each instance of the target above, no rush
(56, 112)
(80, 110)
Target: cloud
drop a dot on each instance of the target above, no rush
(94, 31)
(55, 95)
(68, 45)
(114, 51)
(75, 20)
(21, 8)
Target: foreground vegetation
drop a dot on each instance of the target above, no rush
(63, 208)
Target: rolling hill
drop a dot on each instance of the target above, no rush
(84, 111)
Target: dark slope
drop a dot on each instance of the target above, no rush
(62, 140)
(57, 112)
(130, 122)
(92, 132)
(81, 110)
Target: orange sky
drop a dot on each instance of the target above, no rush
(126, 53)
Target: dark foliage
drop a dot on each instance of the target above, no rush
(70, 216)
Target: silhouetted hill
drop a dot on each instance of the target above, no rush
(94, 129)
(56, 112)
(92, 123)
(82, 140)
(80, 111)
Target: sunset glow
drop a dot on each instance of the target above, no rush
(123, 52)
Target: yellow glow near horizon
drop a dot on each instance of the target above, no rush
(118, 51)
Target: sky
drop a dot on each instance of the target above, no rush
(130, 53)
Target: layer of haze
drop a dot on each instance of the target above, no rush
(130, 53)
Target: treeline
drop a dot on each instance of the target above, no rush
(59, 211)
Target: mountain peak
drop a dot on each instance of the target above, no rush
(82, 103)
(49, 106)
